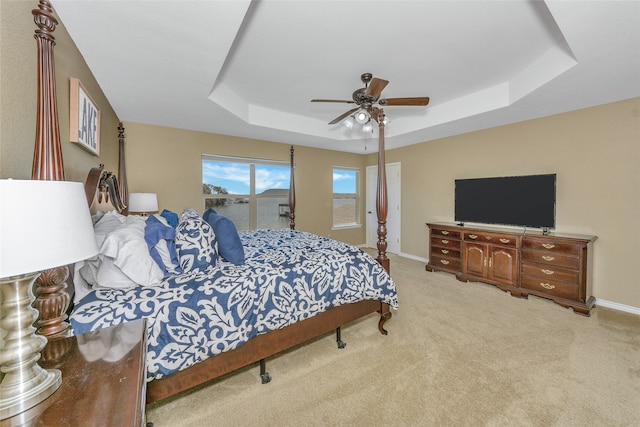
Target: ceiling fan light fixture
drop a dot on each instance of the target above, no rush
(362, 117)
(349, 122)
(367, 128)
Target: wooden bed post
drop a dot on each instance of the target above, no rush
(292, 196)
(47, 155)
(381, 196)
(123, 187)
(52, 298)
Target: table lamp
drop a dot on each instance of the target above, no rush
(143, 203)
(43, 224)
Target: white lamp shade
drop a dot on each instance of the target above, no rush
(143, 202)
(43, 224)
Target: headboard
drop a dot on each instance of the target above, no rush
(102, 191)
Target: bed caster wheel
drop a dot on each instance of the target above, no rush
(266, 378)
(341, 344)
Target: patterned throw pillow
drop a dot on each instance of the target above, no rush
(195, 242)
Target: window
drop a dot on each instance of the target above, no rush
(253, 193)
(345, 197)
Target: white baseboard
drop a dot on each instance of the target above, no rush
(617, 306)
(414, 257)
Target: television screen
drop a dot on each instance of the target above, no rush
(526, 201)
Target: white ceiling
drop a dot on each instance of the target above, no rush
(250, 68)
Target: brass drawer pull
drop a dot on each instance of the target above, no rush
(444, 251)
(505, 240)
(473, 236)
(444, 261)
(548, 272)
(488, 237)
(548, 258)
(548, 246)
(546, 285)
(445, 241)
(445, 232)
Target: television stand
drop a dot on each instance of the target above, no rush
(549, 265)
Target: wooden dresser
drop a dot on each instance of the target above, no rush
(103, 380)
(555, 266)
(446, 249)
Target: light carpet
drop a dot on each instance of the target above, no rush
(457, 354)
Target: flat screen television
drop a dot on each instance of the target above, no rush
(525, 201)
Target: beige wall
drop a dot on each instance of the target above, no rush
(596, 154)
(18, 100)
(168, 162)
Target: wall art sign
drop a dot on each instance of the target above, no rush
(84, 123)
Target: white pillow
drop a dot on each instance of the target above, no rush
(128, 251)
(106, 224)
(86, 272)
(111, 276)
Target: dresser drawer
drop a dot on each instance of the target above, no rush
(544, 272)
(442, 262)
(497, 239)
(553, 260)
(549, 287)
(451, 234)
(445, 252)
(447, 243)
(550, 245)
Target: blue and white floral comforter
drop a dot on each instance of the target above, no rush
(288, 276)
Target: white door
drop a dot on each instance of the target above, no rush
(394, 204)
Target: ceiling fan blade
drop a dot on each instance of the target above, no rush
(375, 87)
(405, 101)
(333, 100)
(343, 116)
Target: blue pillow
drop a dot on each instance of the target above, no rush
(162, 248)
(171, 217)
(229, 243)
(208, 213)
(195, 242)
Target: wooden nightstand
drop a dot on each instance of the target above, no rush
(103, 380)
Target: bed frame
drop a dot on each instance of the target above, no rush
(53, 299)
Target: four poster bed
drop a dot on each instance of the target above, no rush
(207, 313)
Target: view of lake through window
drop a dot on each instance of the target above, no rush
(253, 193)
(345, 196)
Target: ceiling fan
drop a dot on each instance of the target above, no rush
(365, 98)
